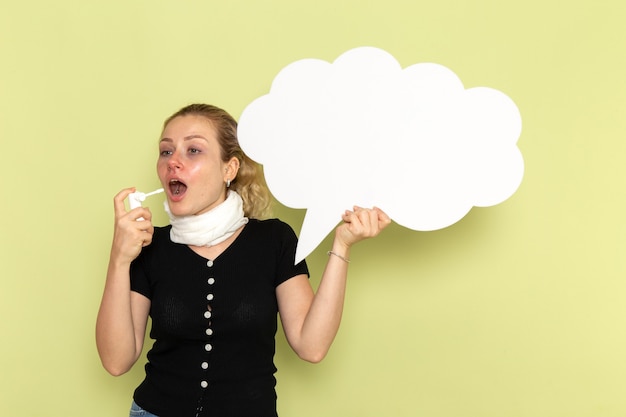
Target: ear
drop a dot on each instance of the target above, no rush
(231, 169)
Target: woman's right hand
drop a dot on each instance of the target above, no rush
(123, 314)
(133, 229)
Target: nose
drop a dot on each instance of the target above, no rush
(174, 162)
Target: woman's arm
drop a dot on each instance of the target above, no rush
(123, 314)
(310, 320)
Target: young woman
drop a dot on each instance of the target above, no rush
(214, 280)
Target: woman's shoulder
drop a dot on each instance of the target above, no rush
(267, 222)
(162, 231)
(273, 226)
(161, 237)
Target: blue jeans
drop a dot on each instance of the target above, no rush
(136, 411)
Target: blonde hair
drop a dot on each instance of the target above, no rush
(249, 183)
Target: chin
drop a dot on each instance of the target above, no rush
(177, 210)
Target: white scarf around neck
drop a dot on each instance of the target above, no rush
(210, 228)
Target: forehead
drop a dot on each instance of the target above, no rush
(182, 127)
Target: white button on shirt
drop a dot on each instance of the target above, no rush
(207, 314)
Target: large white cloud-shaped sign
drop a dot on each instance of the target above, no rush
(363, 131)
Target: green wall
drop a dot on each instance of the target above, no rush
(517, 310)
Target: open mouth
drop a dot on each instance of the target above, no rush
(177, 188)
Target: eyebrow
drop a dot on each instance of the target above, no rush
(190, 137)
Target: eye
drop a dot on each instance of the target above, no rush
(194, 150)
(165, 153)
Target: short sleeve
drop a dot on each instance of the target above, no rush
(139, 281)
(286, 268)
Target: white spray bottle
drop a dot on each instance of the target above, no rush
(135, 199)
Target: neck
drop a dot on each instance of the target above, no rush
(209, 228)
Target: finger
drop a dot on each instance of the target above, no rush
(365, 216)
(369, 222)
(148, 232)
(141, 237)
(359, 217)
(144, 226)
(140, 214)
(373, 220)
(146, 240)
(383, 219)
(147, 214)
(147, 227)
(118, 201)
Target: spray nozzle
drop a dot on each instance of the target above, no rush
(135, 199)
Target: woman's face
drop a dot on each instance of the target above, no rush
(190, 166)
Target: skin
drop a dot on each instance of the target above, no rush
(189, 152)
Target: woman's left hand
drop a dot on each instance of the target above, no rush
(361, 223)
(311, 319)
